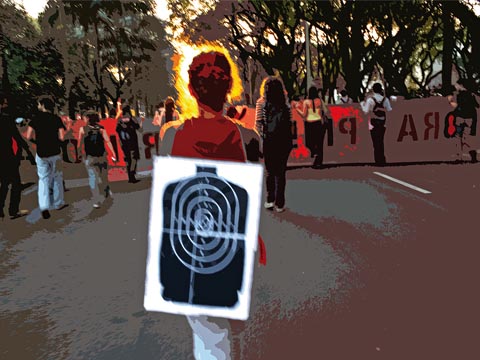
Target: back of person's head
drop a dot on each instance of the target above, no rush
(210, 79)
(92, 117)
(377, 88)
(465, 83)
(313, 93)
(343, 93)
(169, 108)
(160, 105)
(112, 113)
(232, 112)
(169, 104)
(274, 92)
(126, 111)
(47, 103)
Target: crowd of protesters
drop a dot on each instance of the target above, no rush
(273, 121)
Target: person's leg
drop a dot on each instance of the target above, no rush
(377, 134)
(44, 172)
(4, 182)
(269, 160)
(102, 165)
(280, 177)
(321, 138)
(309, 138)
(133, 168)
(92, 178)
(128, 161)
(381, 145)
(16, 191)
(211, 338)
(58, 195)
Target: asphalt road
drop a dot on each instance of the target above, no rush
(359, 266)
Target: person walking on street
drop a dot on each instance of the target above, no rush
(464, 116)
(127, 128)
(316, 124)
(170, 113)
(49, 133)
(11, 143)
(94, 138)
(213, 136)
(274, 123)
(376, 106)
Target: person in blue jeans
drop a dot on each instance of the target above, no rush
(49, 132)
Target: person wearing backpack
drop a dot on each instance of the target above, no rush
(274, 123)
(376, 107)
(94, 137)
(465, 116)
(127, 128)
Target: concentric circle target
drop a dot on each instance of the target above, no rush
(204, 224)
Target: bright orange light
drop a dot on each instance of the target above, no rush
(181, 62)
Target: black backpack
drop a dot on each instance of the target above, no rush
(277, 123)
(379, 109)
(94, 143)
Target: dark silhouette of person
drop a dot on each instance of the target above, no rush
(127, 128)
(316, 124)
(11, 143)
(376, 106)
(274, 122)
(49, 133)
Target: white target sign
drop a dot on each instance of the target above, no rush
(203, 235)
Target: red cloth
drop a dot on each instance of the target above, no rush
(14, 146)
(216, 139)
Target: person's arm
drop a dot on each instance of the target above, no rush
(119, 109)
(61, 134)
(259, 116)
(451, 101)
(29, 134)
(304, 111)
(388, 105)
(81, 134)
(109, 144)
(22, 144)
(367, 105)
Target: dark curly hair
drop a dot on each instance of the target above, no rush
(210, 79)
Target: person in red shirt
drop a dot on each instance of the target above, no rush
(213, 136)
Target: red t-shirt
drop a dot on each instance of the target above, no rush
(216, 139)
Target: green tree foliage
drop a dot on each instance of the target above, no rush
(107, 45)
(404, 44)
(30, 67)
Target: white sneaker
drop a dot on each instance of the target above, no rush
(96, 206)
(268, 205)
(279, 210)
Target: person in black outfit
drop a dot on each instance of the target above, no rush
(466, 109)
(49, 132)
(273, 121)
(127, 127)
(10, 161)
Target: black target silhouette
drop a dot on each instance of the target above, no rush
(204, 239)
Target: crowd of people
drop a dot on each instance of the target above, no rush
(216, 133)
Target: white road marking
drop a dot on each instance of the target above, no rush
(423, 191)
